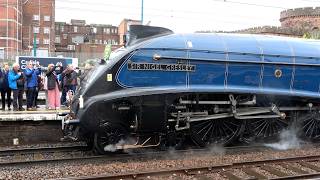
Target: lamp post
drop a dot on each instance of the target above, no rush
(34, 44)
(141, 11)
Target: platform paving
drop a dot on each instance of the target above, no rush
(40, 114)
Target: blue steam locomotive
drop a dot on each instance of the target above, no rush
(166, 89)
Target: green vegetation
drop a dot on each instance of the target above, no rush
(312, 35)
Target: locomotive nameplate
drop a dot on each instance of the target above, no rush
(160, 67)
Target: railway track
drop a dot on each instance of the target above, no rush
(30, 154)
(30, 150)
(296, 165)
(114, 157)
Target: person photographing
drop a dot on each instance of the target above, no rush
(53, 86)
(31, 73)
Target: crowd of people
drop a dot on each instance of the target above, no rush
(55, 80)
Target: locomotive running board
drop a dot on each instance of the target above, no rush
(250, 102)
(245, 113)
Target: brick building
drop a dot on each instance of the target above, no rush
(124, 28)
(10, 28)
(307, 18)
(294, 22)
(79, 37)
(38, 24)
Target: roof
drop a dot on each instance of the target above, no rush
(225, 43)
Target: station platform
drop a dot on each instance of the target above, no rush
(41, 114)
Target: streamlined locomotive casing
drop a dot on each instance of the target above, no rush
(224, 63)
(195, 63)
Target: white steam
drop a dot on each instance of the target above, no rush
(218, 149)
(288, 140)
(113, 147)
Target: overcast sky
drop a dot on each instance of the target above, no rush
(181, 15)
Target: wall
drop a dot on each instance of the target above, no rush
(89, 33)
(10, 27)
(41, 8)
(307, 18)
(123, 28)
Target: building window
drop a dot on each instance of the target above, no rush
(58, 40)
(116, 31)
(36, 30)
(105, 42)
(112, 31)
(75, 29)
(107, 30)
(46, 41)
(37, 40)
(36, 17)
(46, 18)
(46, 30)
(94, 30)
(96, 41)
(100, 41)
(57, 28)
(65, 36)
(109, 41)
(71, 47)
(62, 28)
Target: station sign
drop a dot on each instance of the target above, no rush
(45, 61)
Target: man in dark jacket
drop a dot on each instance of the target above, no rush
(5, 89)
(31, 74)
(70, 82)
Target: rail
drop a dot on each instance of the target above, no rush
(225, 170)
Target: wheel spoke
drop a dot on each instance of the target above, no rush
(209, 129)
(264, 124)
(261, 125)
(221, 131)
(310, 124)
(205, 127)
(266, 128)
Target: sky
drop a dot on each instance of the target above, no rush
(182, 16)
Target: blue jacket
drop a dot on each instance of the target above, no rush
(32, 77)
(12, 78)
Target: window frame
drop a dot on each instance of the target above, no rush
(36, 31)
(47, 18)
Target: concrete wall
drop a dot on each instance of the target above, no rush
(30, 132)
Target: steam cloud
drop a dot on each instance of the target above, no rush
(113, 147)
(218, 149)
(288, 140)
(122, 142)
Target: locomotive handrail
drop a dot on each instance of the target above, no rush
(240, 61)
(230, 52)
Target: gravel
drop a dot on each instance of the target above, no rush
(285, 170)
(174, 160)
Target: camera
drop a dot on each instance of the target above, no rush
(43, 69)
(59, 64)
